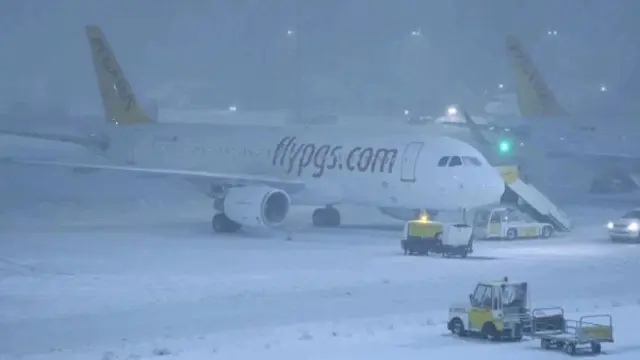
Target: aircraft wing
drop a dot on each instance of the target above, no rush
(590, 156)
(84, 141)
(195, 176)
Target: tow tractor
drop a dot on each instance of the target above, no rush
(495, 310)
(508, 223)
(423, 236)
(499, 311)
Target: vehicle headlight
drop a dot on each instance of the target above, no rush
(633, 227)
(609, 225)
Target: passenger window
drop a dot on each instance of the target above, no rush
(470, 160)
(443, 161)
(455, 161)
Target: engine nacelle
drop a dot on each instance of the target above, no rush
(256, 206)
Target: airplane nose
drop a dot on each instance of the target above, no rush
(493, 188)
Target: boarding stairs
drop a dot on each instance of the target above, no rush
(528, 199)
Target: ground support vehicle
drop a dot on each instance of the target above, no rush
(508, 223)
(571, 336)
(496, 310)
(423, 237)
(499, 311)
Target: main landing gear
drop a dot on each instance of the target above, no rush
(326, 217)
(222, 224)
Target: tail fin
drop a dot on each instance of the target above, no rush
(534, 95)
(120, 103)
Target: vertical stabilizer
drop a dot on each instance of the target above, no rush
(120, 103)
(535, 98)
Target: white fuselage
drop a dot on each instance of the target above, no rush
(337, 164)
(566, 157)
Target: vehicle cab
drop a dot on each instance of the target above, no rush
(496, 310)
(508, 223)
(625, 228)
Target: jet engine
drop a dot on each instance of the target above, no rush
(256, 206)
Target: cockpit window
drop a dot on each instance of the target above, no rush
(470, 160)
(455, 161)
(443, 161)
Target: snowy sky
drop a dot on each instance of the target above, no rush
(360, 49)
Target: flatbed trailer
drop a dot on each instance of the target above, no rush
(571, 335)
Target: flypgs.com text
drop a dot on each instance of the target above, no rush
(296, 157)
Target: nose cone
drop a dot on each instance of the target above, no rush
(491, 188)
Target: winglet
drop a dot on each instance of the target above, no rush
(120, 103)
(535, 98)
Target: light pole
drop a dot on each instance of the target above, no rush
(294, 76)
(415, 74)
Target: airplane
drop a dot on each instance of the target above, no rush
(600, 149)
(256, 173)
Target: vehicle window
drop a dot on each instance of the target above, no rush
(514, 295)
(443, 161)
(478, 295)
(455, 161)
(496, 218)
(482, 296)
(482, 218)
(470, 160)
(488, 295)
(635, 214)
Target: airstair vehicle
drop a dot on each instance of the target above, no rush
(526, 197)
(531, 201)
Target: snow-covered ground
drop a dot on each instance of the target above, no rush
(98, 266)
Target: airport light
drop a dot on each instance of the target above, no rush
(504, 146)
(452, 111)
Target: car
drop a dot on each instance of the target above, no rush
(627, 228)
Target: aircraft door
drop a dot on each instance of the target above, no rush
(410, 161)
